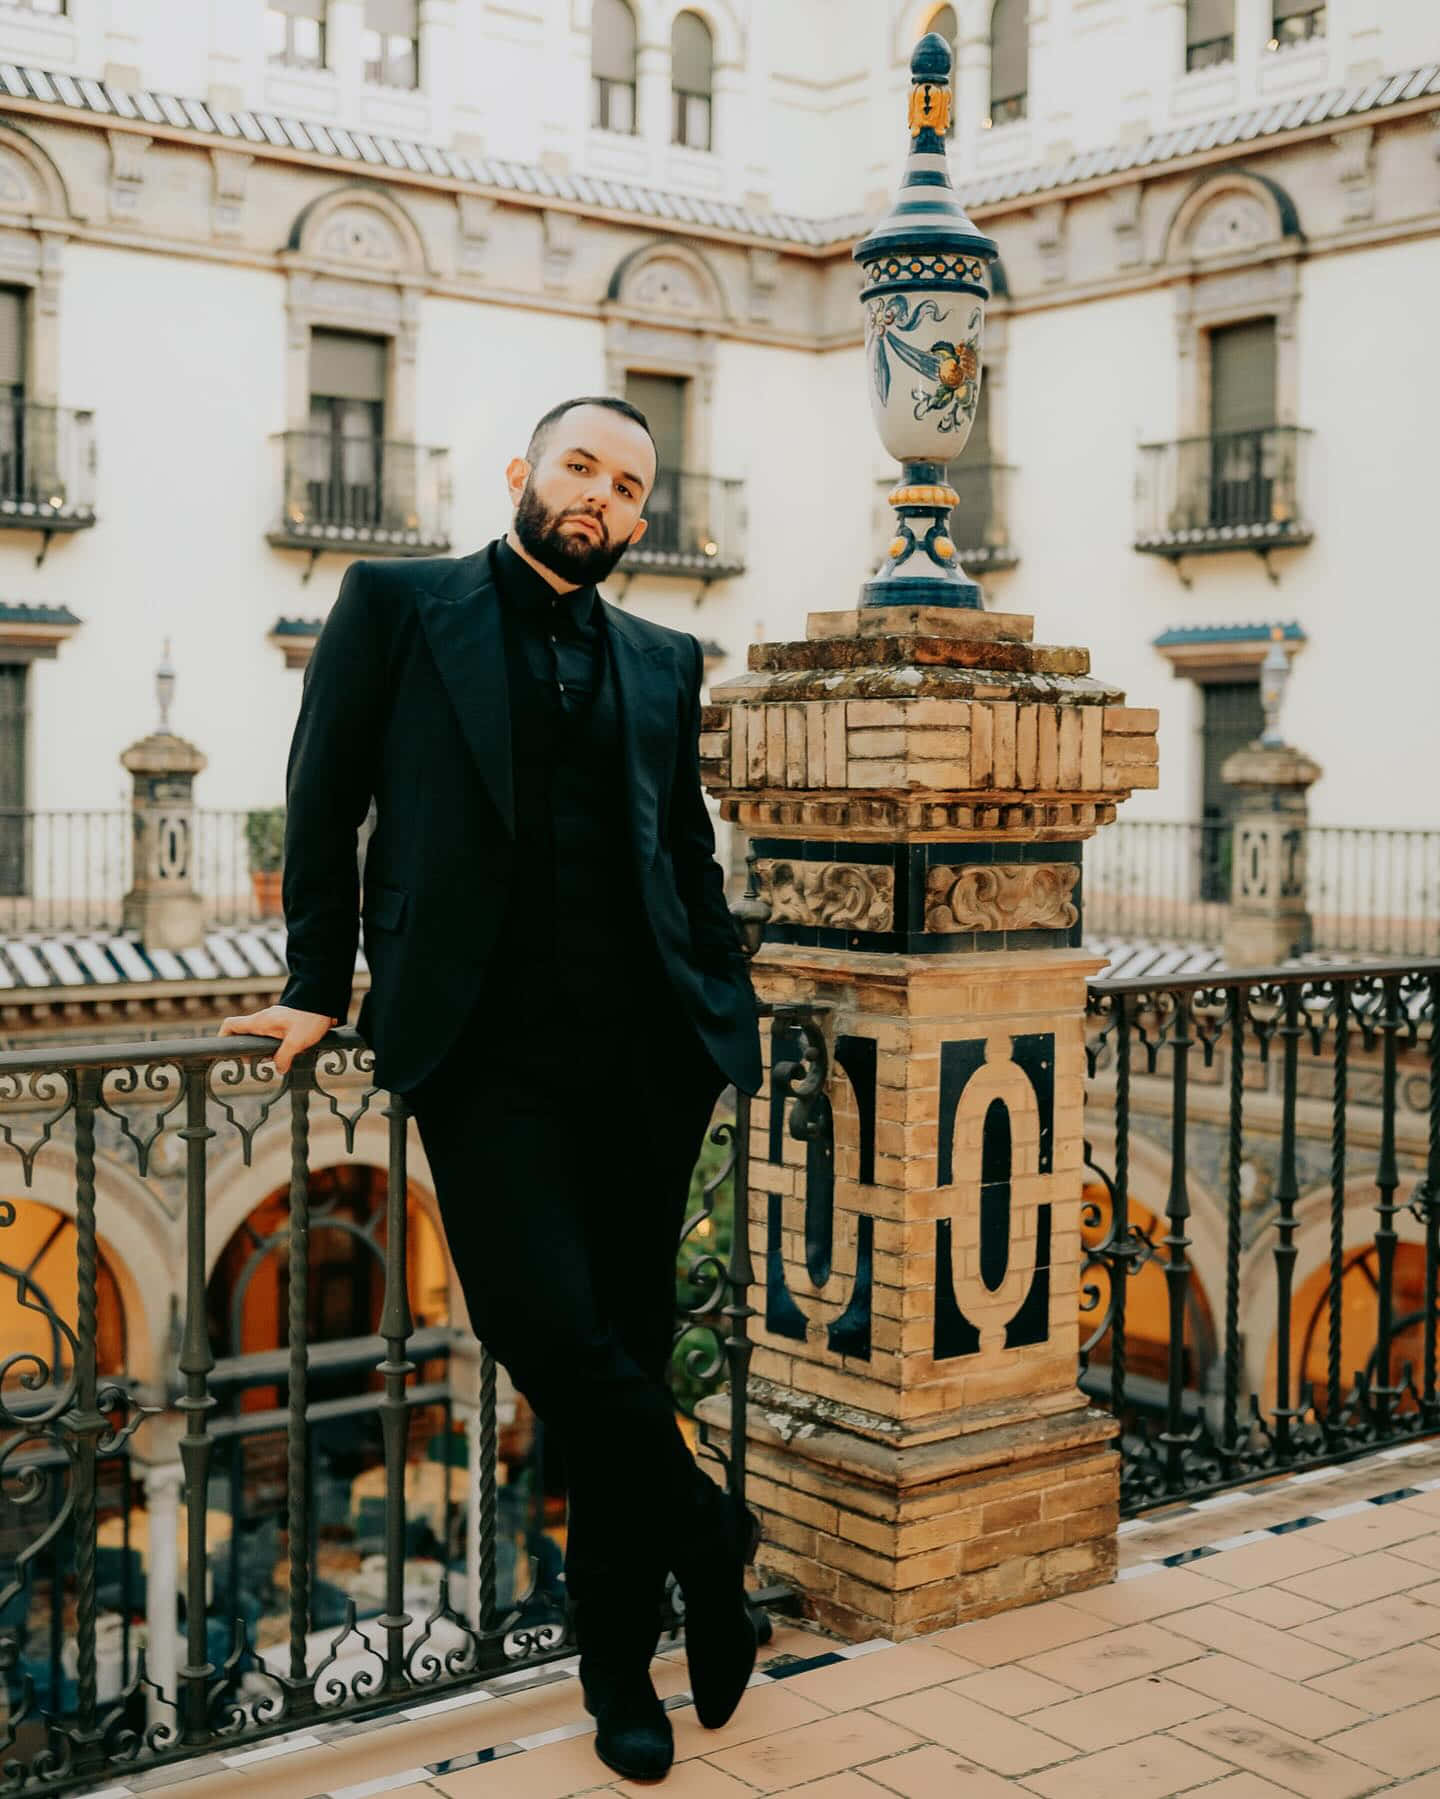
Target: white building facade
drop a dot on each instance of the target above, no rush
(283, 284)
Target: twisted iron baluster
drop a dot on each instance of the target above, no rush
(86, 1424)
(1387, 1180)
(488, 1523)
(195, 1364)
(302, 1084)
(1432, 1207)
(1235, 1007)
(1120, 1267)
(396, 1324)
(1287, 1193)
(1177, 1268)
(739, 1276)
(1340, 1070)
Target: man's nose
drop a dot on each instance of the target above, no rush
(597, 492)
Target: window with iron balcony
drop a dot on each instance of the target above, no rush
(295, 34)
(1296, 22)
(1209, 33)
(390, 43)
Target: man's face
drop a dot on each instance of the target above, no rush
(577, 507)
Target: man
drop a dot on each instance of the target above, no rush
(558, 991)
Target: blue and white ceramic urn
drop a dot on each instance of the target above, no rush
(927, 272)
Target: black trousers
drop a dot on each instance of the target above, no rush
(561, 1142)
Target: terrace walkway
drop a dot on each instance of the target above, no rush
(1295, 1652)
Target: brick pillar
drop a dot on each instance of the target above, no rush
(918, 783)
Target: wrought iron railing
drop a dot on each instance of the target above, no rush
(1262, 1221)
(47, 466)
(1210, 53)
(1230, 490)
(696, 527)
(374, 494)
(979, 520)
(1369, 890)
(434, 1591)
(66, 871)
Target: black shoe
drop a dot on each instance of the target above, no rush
(632, 1729)
(721, 1635)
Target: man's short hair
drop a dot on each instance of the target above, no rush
(541, 433)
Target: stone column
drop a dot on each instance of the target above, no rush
(162, 905)
(919, 783)
(163, 1484)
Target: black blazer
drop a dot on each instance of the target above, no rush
(405, 699)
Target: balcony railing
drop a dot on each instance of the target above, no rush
(1369, 891)
(697, 527)
(47, 467)
(69, 871)
(1263, 1298)
(374, 496)
(979, 520)
(337, 1547)
(1239, 490)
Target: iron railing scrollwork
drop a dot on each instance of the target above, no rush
(1261, 1104)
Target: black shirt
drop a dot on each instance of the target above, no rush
(575, 933)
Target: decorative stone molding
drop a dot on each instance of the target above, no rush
(360, 230)
(840, 895)
(1002, 896)
(1052, 241)
(673, 279)
(1232, 213)
(1125, 224)
(127, 171)
(763, 268)
(34, 633)
(477, 223)
(1355, 168)
(230, 171)
(559, 235)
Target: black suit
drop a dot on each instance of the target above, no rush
(556, 987)
(406, 700)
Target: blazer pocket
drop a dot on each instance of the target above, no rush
(386, 908)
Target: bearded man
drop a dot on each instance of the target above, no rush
(558, 992)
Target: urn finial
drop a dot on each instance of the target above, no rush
(927, 271)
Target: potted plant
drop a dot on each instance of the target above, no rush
(265, 840)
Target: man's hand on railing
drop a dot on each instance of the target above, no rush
(297, 1031)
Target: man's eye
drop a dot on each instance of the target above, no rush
(627, 493)
(579, 467)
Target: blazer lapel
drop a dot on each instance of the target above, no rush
(461, 621)
(642, 698)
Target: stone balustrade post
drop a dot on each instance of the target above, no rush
(162, 905)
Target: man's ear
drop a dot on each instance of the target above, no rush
(641, 527)
(517, 473)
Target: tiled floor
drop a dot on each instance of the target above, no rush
(1270, 1645)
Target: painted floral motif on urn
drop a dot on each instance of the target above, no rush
(927, 270)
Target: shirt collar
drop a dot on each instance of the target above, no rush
(529, 592)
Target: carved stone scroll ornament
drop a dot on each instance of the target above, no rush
(844, 895)
(1002, 896)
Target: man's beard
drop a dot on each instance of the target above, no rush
(573, 557)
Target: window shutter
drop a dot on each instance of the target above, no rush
(692, 55)
(1242, 377)
(300, 9)
(1009, 50)
(612, 41)
(12, 337)
(1207, 20)
(1286, 9)
(344, 366)
(662, 399)
(395, 18)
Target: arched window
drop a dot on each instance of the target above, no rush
(692, 80)
(1209, 33)
(1009, 60)
(1294, 21)
(945, 23)
(612, 66)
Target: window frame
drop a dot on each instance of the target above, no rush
(290, 57)
(1008, 109)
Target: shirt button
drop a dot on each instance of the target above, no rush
(562, 686)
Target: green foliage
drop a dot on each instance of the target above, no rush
(696, 1281)
(265, 838)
